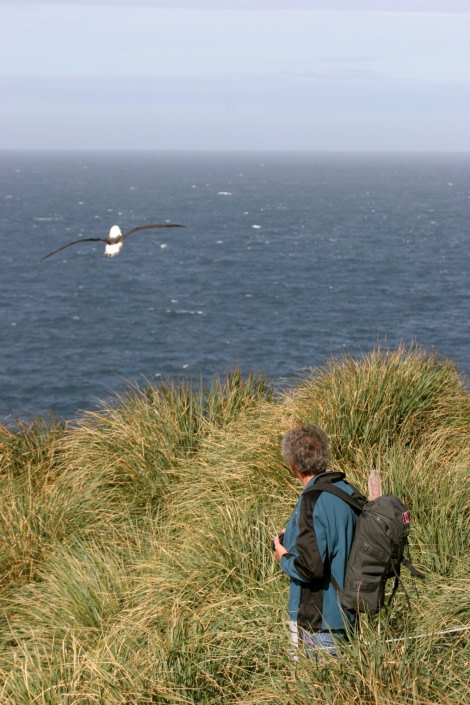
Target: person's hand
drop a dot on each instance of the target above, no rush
(279, 549)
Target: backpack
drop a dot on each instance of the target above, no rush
(378, 547)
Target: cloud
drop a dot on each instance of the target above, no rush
(198, 113)
(308, 91)
(370, 6)
(84, 74)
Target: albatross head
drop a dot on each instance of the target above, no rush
(115, 233)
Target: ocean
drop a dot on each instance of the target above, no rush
(285, 261)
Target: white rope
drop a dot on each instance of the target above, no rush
(423, 636)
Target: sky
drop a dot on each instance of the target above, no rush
(310, 75)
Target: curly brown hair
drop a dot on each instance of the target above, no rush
(306, 447)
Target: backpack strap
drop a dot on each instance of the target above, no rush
(397, 582)
(325, 484)
(356, 500)
(414, 571)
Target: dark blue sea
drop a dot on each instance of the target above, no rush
(286, 260)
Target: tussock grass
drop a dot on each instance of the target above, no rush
(383, 397)
(135, 560)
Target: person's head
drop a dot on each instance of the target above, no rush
(306, 449)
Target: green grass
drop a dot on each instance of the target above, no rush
(135, 561)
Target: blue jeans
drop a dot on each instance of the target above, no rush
(318, 643)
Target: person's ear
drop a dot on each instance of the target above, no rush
(294, 470)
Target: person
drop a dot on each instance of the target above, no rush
(314, 547)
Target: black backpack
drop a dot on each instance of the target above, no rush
(378, 548)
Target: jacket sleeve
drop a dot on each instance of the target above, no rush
(289, 567)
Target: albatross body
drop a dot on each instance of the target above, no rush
(115, 242)
(115, 239)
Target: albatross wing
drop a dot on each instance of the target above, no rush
(149, 227)
(75, 242)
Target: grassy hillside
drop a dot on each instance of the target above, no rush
(135, 561)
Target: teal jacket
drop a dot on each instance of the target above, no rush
(318, 539)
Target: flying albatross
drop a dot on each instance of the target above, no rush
(115, 239)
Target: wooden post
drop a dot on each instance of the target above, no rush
(375, 485)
